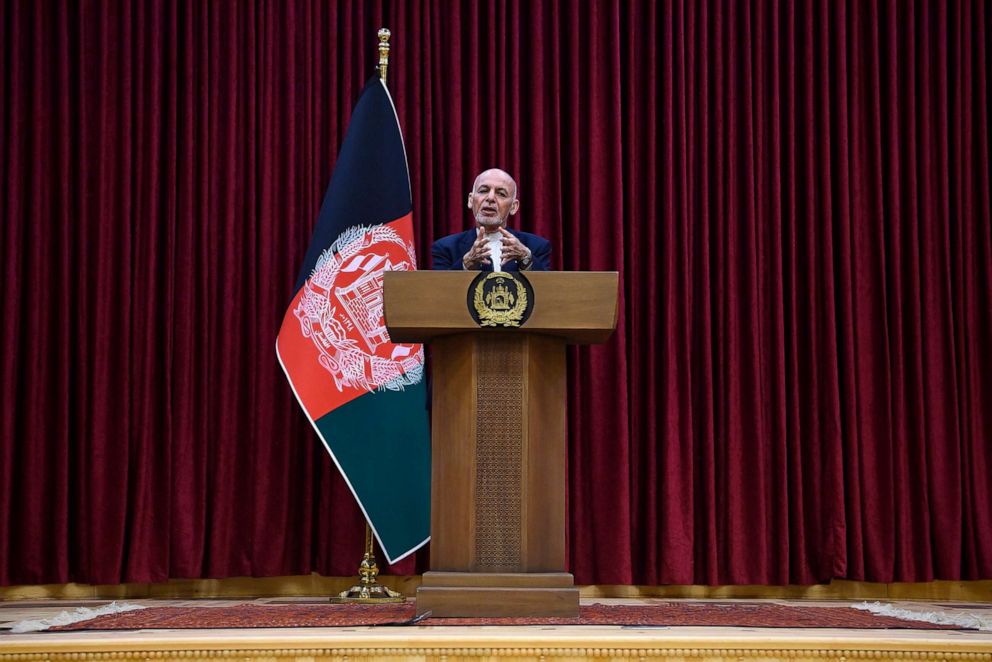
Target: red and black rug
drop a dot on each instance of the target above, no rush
(659, 614)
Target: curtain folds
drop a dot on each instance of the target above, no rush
(796, 196)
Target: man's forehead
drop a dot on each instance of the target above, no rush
(495, 177)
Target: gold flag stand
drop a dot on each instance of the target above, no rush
(367, 590)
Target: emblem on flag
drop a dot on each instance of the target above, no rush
(341, 311)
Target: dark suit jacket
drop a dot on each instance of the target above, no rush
(447, 252)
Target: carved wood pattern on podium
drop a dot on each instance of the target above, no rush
(499, 454)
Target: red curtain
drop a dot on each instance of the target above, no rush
(796, 195)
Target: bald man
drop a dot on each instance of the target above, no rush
(490, 245)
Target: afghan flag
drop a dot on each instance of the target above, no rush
(364, 394)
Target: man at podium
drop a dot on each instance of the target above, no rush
(490, 246)
(500, 384)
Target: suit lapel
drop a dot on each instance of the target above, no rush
(465, 243)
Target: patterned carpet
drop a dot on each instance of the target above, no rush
(660, 614)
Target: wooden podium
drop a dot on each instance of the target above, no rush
(498, 437)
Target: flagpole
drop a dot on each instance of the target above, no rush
(368, 590)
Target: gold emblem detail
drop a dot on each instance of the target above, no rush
(500, 300)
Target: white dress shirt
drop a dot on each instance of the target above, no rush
(495, 242)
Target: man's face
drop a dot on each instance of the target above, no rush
(493, 199)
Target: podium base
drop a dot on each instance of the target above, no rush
(496, 595)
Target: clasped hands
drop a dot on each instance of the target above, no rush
(479, 254)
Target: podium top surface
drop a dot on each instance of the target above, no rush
(579, 306)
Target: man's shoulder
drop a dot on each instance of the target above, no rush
(453, 238)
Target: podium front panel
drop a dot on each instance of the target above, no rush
(498, 494)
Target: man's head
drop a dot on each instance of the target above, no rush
(493, 199)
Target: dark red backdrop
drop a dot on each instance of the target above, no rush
(795, 193)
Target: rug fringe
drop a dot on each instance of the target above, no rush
(964, 620)
(67, 618)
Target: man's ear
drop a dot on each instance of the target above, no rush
(514, 206)
(469, 203)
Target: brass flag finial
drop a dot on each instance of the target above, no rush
(383, 52)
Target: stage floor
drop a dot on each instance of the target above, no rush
(534, 643)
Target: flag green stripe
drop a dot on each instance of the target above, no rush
(382, 444)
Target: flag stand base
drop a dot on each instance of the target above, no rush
(368, 591)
